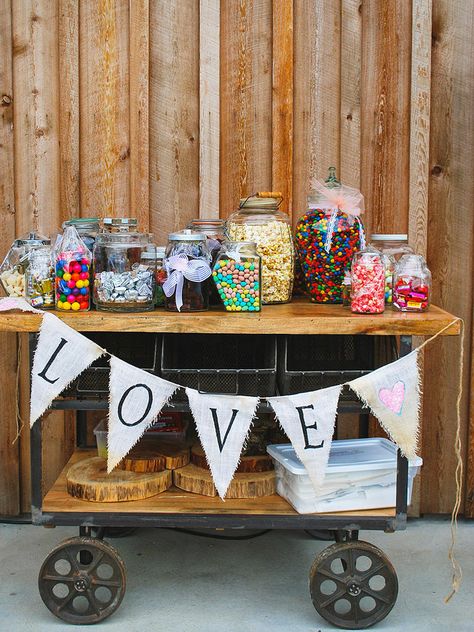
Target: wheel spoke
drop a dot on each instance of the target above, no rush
(330, 575)
(72, 559)
(57, 578)
(92, 601)
(95, 562)
(350, 564)
(67, 599)
(375, 595)
(373, 570)
(332, 598)
(109, 583)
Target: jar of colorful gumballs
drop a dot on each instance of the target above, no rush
(72, 272)
(411, 284)
(237, 276)
(327, 236)
(368, 282)
(392, 248)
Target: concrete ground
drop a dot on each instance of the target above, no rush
(184, 583)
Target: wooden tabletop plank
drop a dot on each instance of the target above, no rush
(297, 317)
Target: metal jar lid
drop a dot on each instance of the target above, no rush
(393, 237)
(255, 203)
(120, 221)
(32, 240)
(187, 235)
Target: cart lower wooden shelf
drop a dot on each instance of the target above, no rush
(178, 508)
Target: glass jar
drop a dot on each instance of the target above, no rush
(411, 284)
(368, 282)
(259, 220)
(15, 264)
(392, 248)
(327, 236)
(123, 280)
(188, 272)
(120, 224)
(40, 278)
(214, 229)
(346, 288)
(237, 276)
(87, 227)
(160, 276)
(72, 272)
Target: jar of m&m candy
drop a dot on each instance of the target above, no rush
(411, 284)
(72, 272)
(368, 282)
(392, 248)
(327, 236)
(259, 220)
(237, 276)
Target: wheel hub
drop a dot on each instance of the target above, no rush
(354, 589)
(82, 582)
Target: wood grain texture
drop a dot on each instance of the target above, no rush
(385, 99)
(69, 110)
(198, 480)
(450, 242)
(174, 116)
(139, 112)
(104, 108)
(246, 100)
(209, 107)
(351, 52)
(282, 121)
(317, 94)
(257, 463)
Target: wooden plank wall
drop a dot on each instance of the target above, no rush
(168, 110)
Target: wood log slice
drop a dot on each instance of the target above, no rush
(245, 485)
(143, 458)
(88, 480)
(175, 455)
(258, 463)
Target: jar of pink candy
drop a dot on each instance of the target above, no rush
(411, 284)
(368, 282)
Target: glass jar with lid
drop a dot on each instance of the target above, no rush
(160, 276)
(120, 224)
(237, 276)
(87, 227)
(259, 220)
(327, 236)
(123, 280)
(368, 282)
(411, 284)
(40, 278)
(392, 247)
(188, 271)
(15, 264)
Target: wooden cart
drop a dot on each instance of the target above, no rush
(76, 563)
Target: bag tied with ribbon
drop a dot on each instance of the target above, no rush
(180, 268)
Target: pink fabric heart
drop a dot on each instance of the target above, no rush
(393, 397)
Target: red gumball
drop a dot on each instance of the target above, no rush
(85, 262)
(77, 267)
(71, 284)
(84, 305)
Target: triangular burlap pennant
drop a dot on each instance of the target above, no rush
(222, 422)
(61, 354)
(13, 302)
(393, 395)
(308, 419)
(136, 400)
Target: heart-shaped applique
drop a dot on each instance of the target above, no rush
(393, 397)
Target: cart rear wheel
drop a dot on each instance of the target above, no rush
(82, 580)
(353, 585)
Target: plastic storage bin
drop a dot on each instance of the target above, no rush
(361, 474)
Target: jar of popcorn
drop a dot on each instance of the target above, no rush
(259, 220)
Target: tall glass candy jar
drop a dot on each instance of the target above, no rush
(368, 282)
(40, 279)
(72, 272)
(237, 276)
(411, 284)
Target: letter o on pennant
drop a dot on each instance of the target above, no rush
(123, 399)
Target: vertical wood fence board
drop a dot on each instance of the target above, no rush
(209, 106)
(351, 51)
(282, 120)
(104, 108)
(317, 97)
(385, 106)
(450, 241)
(9, 459)
(69, 108)
(139, 112)
(246, 100)
(174, 116)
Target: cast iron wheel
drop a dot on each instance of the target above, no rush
(82, 580)
(353, 585)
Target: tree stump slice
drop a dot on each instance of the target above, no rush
(143, 458)
(88, 480)
(245, 485)
(175, 455)
(259, 463)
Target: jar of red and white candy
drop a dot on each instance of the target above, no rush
(411, 284)
(368, 282)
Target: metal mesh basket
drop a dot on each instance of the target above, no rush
(234, 364)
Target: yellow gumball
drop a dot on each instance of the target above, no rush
(79, 284)
(75, 306)
(66, 306)
(86, 283)
(60, 305)
(66, 276)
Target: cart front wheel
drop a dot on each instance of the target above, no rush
(82, 580)
(353, 585)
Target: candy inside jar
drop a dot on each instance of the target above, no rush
(214, 229)
(368, 282)
(40, 279)
(72, 272)
(14, 266)
(412, 284)
(237, 276)
(392, 248)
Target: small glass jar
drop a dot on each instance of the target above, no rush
(188, 271)
(259, 220)
(368, 282)
(214, 229)
(123, 280)
(72, 272)
(15, 264)
(160, 276)
(411, 284)
(87, 227)
(346, 288)
(120, 224)
(237, 276)
(392, 248)
(40, 279)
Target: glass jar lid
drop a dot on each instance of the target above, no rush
(120, 223)
(187, 235)
(411, 264)
(32, 240)
(257, 203)
(87, 221)
(389, 237)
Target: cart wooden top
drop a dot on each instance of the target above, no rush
(297, 317)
